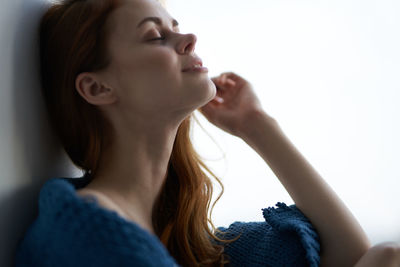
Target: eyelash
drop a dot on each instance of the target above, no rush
(159, 38)
(162, 38)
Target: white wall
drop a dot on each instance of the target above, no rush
(328, 71)
(29, 154)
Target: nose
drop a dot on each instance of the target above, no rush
(187, 44)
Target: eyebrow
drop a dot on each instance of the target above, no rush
(156, 20)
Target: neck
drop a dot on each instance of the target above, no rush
(133, 169)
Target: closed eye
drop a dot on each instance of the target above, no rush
(159, 38)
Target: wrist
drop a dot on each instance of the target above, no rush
(256, 120)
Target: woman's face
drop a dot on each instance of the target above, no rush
(147, 74)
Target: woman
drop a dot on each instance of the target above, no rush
(120, 84)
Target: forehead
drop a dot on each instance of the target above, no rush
(127, 16)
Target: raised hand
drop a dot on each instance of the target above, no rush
(234, 103)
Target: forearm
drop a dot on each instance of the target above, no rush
(343, 241)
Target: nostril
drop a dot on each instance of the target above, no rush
(189, 47)
(187, 43)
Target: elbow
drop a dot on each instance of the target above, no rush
(385, 254)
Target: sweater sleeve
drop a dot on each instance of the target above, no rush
(285, 238)
(70, 232)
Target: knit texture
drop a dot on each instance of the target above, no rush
(285, 238)
(74, 231)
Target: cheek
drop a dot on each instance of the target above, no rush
(149, 61)
(159, 68)
(147, 65)
(162, 62)
(153, 76)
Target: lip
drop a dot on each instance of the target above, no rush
(202, 69)
(195, 61)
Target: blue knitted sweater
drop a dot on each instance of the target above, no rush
(74, 231)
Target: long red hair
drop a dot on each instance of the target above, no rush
(73, 36)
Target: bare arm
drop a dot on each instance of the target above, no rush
(385, 254)
(343, 241)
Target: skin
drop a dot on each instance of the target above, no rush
(386, 254)
(145, 96)
(343, 241)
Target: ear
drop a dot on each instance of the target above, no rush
(93, 91)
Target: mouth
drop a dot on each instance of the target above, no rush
(197, 69)
(195, 65)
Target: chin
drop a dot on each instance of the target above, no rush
(214, 90)
(203, 92)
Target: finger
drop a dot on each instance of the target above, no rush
(217, 79)
(209, 107)
(230, 82)
(219, 85)
(223, 79)
(234, 76)
(223, 82)
(231, 74)
(226, 77)
(227, 83)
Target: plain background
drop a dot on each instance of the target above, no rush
(327, 71)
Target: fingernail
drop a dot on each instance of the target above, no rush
(220, 100)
